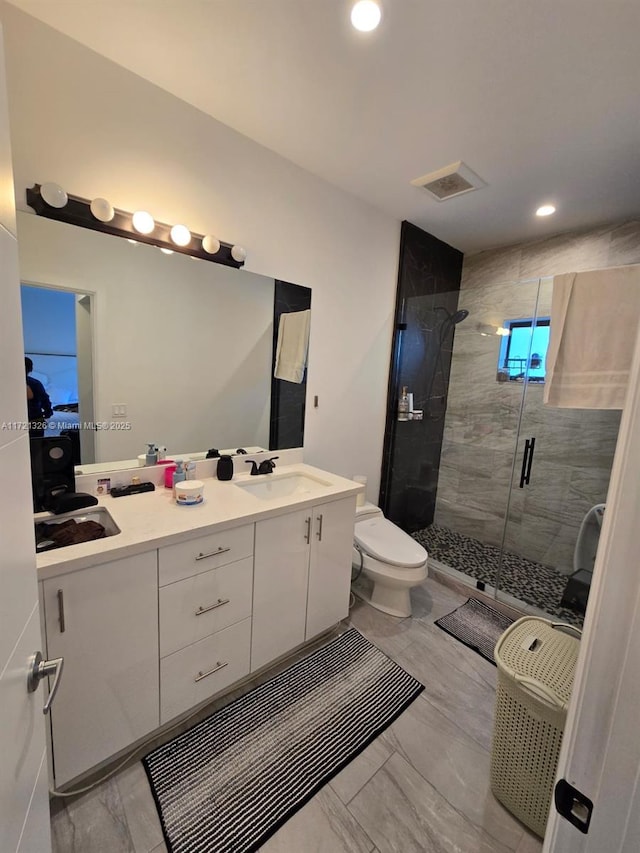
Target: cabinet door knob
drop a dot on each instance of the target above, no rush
(39, 669)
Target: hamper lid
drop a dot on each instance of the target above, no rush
(539, 654)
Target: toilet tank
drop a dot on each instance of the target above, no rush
(368, 510)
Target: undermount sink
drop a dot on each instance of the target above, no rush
(274, 486)
(44, 527)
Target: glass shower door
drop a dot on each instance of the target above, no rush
(480, 438)
(562, 470)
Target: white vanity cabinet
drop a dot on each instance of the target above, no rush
(103, 621)
(205, 617)
(302, 576)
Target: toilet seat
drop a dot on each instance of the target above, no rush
(382, 540)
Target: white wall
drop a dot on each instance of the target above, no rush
(81, 121)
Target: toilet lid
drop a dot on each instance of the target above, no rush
(383, 541)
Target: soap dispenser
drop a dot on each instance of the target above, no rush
(179, 475)
(151, 457)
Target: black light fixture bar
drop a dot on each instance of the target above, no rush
(77, 211)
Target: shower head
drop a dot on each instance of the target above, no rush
(456, 318)
(459, 316)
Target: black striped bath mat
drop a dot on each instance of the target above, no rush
(231, 781)
(476, 625)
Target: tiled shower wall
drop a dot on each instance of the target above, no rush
(574, 447)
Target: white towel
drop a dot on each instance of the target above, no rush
(594, 323)
(292, 346)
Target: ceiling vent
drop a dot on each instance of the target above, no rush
(449, 182)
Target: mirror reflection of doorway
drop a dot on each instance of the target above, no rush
(57, 334)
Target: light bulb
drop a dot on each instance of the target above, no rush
(143, 222)
(181, 235)
(211, 244)
(166, 251)
(365, 15)
(102, 209)
(238, 253)
(54, 195)
(545, 210)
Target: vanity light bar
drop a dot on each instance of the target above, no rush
(77, 211)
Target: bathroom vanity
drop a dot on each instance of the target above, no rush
(186, 601)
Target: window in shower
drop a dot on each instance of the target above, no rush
(523, 351)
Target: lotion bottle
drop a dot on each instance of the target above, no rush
(152, 455)
(179, 475)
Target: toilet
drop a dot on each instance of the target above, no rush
(391, 560)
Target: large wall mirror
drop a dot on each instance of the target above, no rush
(169, 349)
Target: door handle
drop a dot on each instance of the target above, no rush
(307, 535)
(527, 459)
(532, 447)
(319, 533)
(39, 669)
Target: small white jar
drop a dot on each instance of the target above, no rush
(189, 492)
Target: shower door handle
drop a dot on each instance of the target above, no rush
(527, 459)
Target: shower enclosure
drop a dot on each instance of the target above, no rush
(509, 480)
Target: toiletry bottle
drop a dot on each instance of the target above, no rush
(152, 455)
(190, 470)
(179, 475)
(403, 405)
(162, 453)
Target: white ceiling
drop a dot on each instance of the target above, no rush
(541, 98)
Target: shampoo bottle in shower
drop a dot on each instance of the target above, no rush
(403, 405)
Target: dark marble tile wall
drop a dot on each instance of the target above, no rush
(287, 398)
(574, 447)
(427, 299)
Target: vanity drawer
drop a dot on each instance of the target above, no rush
(193, 608)
(192, 675)
(186, 559)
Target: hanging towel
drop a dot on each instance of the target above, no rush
(292, 346)
(594, 322)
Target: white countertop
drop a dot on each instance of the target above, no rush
(153, 519)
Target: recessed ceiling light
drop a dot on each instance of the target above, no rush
(545, 210)
(365, 15)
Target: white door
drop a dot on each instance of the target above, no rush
(24, 806)
(280, 577)
(600, 755)
(330, 565)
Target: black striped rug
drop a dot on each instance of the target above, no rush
(231, 781)
(476, 625)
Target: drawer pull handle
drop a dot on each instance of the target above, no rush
(307, 535)
(218, 666)
(218, 603)
(220, 550)
(319, 534)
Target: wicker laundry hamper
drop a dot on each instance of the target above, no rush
(536, 661)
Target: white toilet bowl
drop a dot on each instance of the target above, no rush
(391, 560)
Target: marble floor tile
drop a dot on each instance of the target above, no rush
(92, 823)
(451, 684)
(390, 634)
(139, 808)
(530, 843)
(402, 813)
(161, 848)
(322, 826)
(358, 772)
(457, 767)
